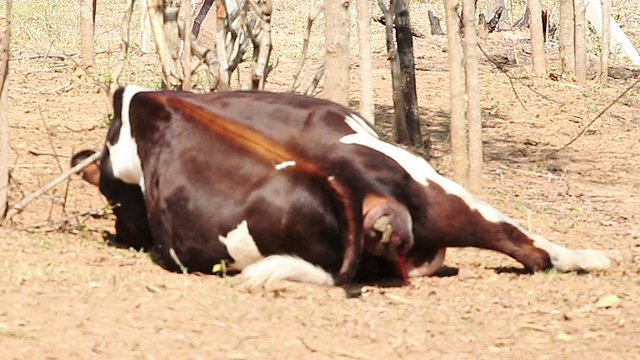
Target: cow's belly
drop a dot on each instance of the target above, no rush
(201, 226)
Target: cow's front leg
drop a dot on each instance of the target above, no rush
(424, 263)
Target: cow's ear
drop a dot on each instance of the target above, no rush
(91, 173)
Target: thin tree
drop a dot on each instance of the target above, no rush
(567, 50)
(580, 40)
(401, 131)
(170, 72)
(5, 40)
(474, 116)
(458, 124)
(336, 58)
(146, 35)
(538, 56)
(366, 63)
(404, 41)
(605, 41)
(87, 26)
(186, 46)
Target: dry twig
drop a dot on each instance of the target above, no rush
(629, 88)
(61, 222)
(53, 148)
(124, 50)
(316, 79)
(311, 17)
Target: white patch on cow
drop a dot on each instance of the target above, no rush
(420, 170)
(275, 268)
(285, 164)
(241, 247)
(427, 268)
(564, 259)
(360, 126)
(125, 162)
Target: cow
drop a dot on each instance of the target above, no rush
(291, 187)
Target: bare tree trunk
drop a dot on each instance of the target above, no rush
(171, 9)
(404, 40)
(567, 50)
(146, 35)
(5, 40)
(606, 40)
(221, 47)
(458, 124)
(492, 6)
(169, 66)
(87, 51)
(538, 56)
(336, 58)
(474, 116)
(260, 68)
(366, 63)
(580, 41)
(401, 132)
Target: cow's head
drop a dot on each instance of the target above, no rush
(120, 181)
(90, 173)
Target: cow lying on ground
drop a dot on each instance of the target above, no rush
(281, 186)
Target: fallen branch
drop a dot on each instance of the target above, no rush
(629, 88)
(17, 208)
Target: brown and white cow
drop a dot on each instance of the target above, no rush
(283, 186)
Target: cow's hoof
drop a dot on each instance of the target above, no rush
(581, 260)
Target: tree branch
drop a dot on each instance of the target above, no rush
(311, 17)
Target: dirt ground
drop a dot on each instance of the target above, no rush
(66, 294)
